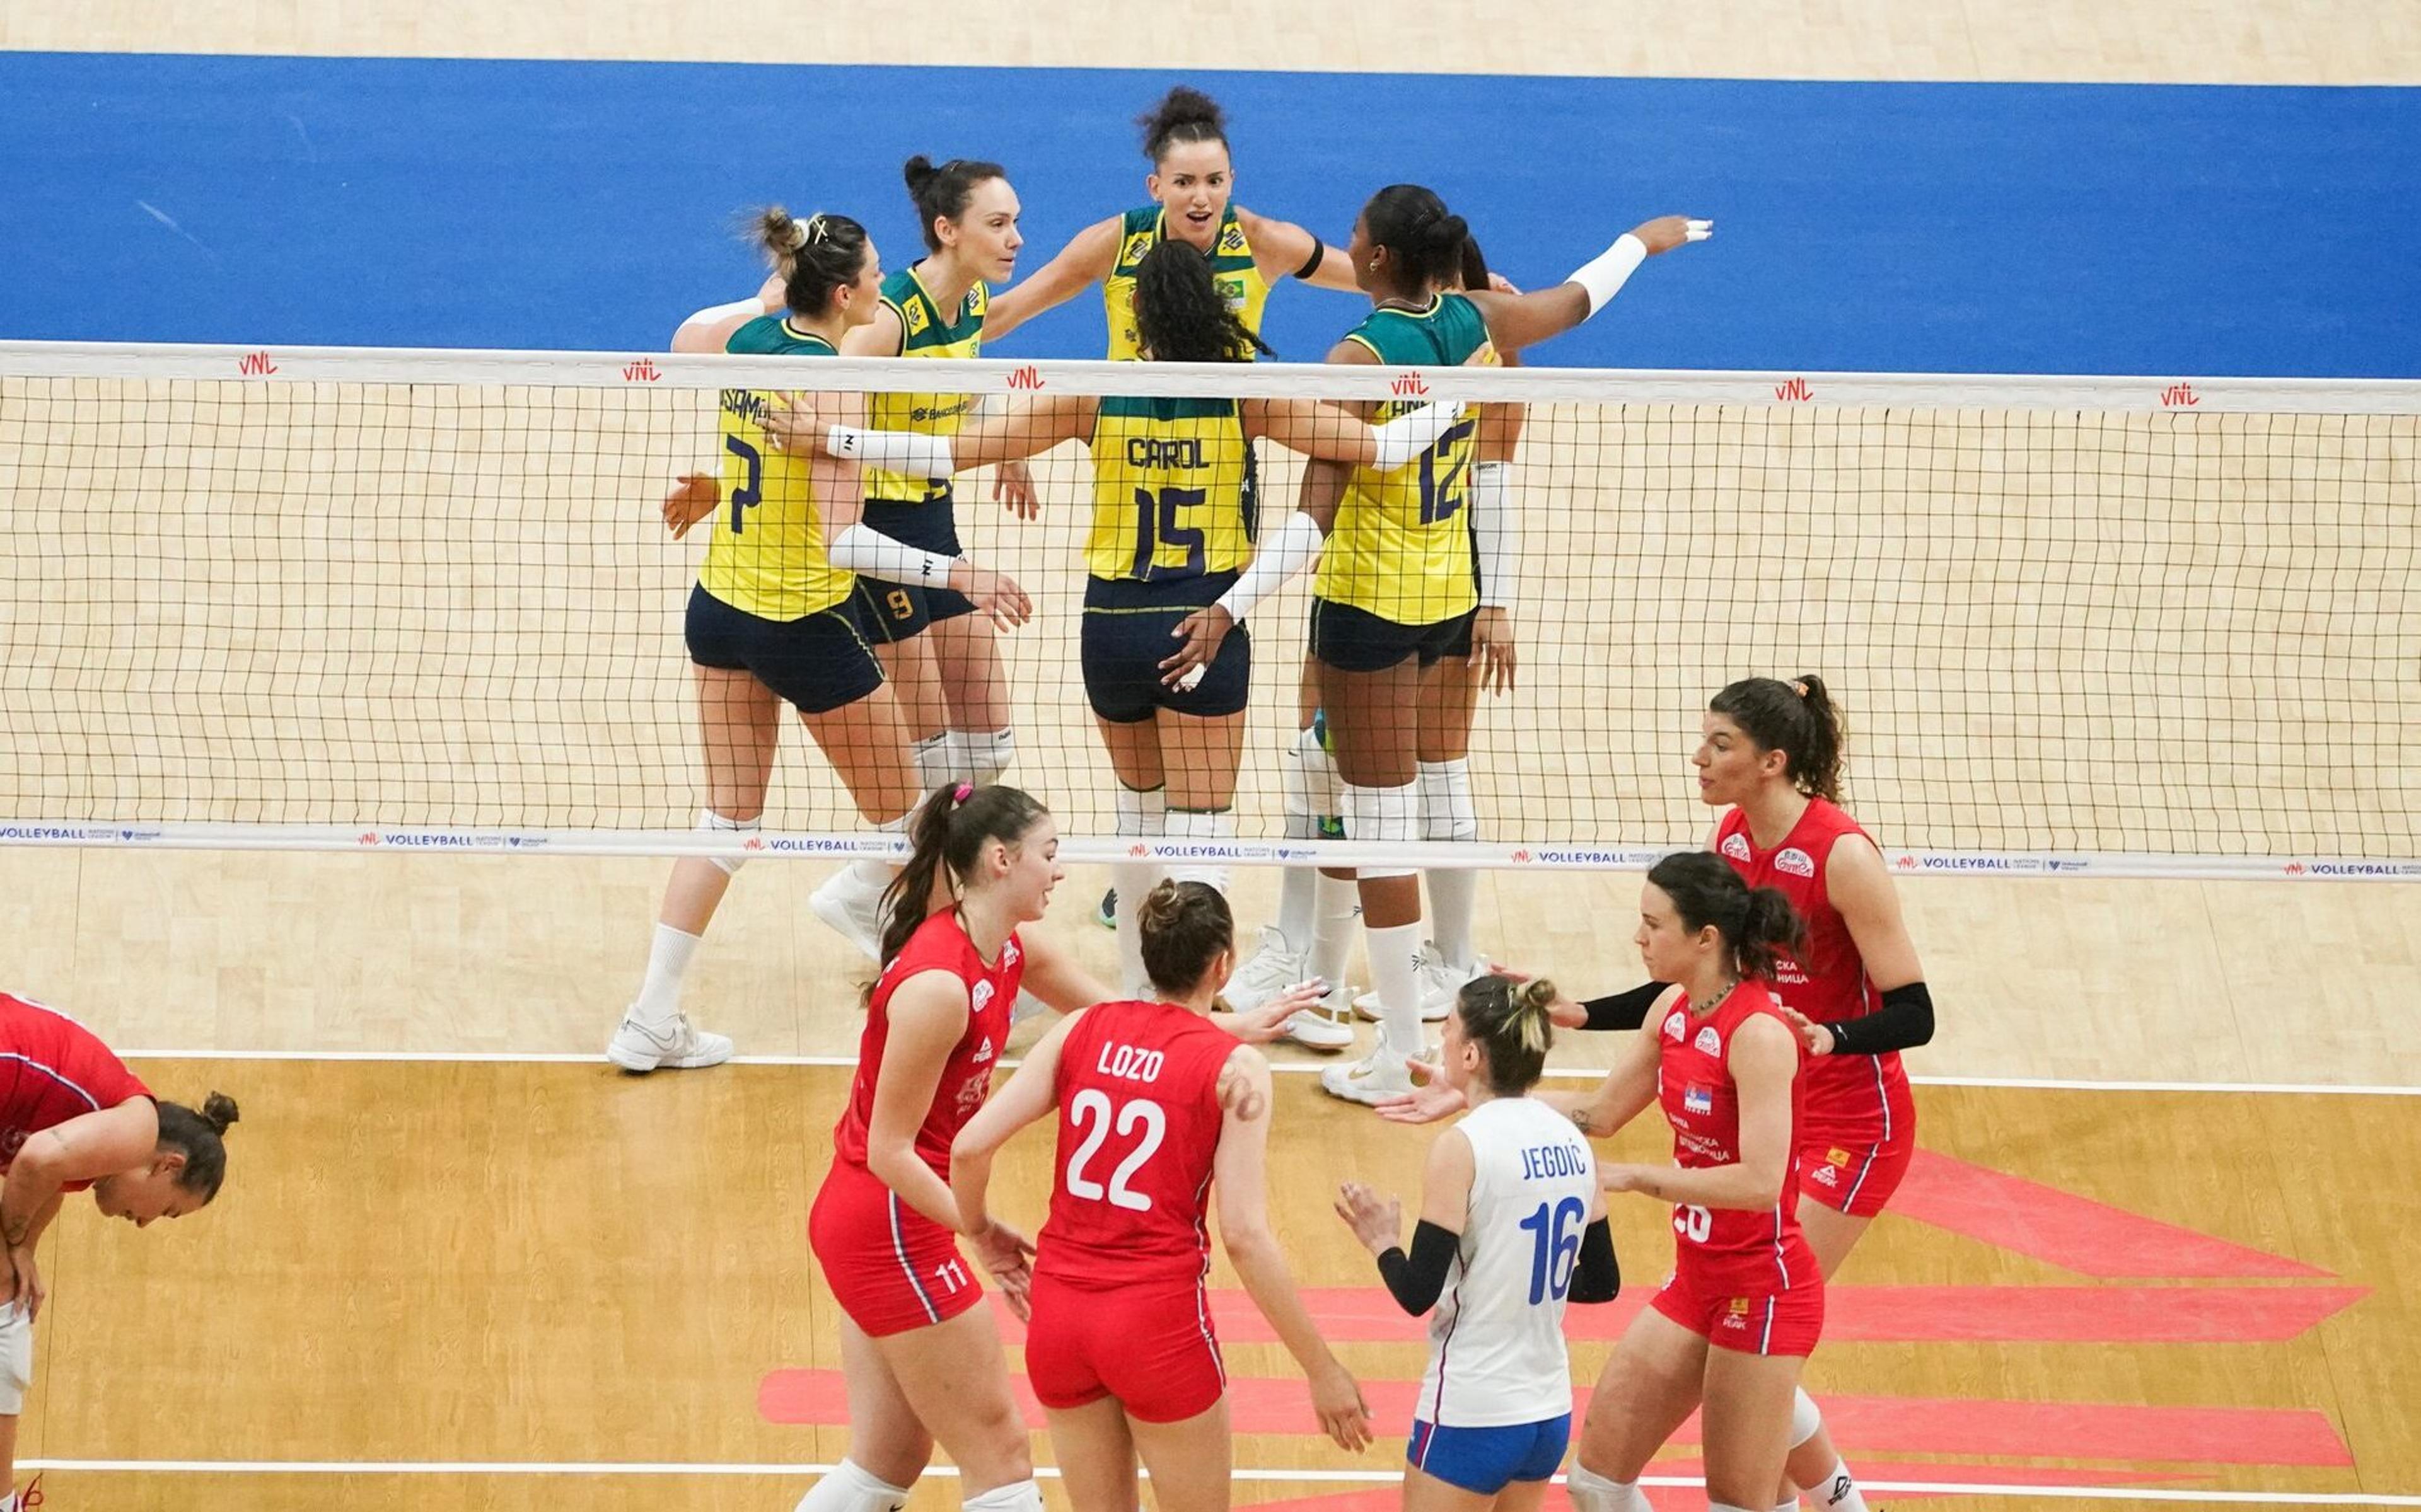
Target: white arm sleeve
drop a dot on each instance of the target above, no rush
(1407, 436)
(863, 548)
(1605, 275)
(902, 451)
(1493, 532)
(1281, 558)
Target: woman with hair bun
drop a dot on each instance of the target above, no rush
(1162, 1117)
(1744, 1305)
(1396, 588)
(73, 1118)
(769, 621)
(1512, 1226)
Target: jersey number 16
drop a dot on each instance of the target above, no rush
(1555, 1248)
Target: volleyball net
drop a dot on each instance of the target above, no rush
(425, 600)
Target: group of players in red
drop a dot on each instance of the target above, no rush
(1783, 986)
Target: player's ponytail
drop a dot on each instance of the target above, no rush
(812, 257)
(944, 839)
(1796, 718)
(1183, 115)
(1181, 315)
(1758, 925)
(1184, 926)
(943, 194)
(1475, 264)
(1424, 240)
(1508, 1021)
(201, 1139)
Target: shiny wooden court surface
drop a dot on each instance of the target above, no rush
(551, 1266)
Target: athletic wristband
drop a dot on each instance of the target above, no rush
(1605, 275)
(1407, 436)
(1296, 543)
(863, 548)
(1903, 1022)
(903, 451)
(1495, 540)
(1311, 264)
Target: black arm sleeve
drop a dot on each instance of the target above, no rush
(1903, 1022)
(1415, 1282)
(1623, 1010)
(1311, 264)
(1597, 1277)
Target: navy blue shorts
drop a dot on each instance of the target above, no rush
(821, 663)
(1486, 1460)
(1127, 635)
(1355, 640)
(895, 611)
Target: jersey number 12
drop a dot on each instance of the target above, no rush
(1092, 1106)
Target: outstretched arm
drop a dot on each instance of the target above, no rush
(1518, 321)
(1081, 264)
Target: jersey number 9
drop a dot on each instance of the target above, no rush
(1093, 1105)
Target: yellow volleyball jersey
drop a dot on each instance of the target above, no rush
(926, 330)
(766, 554)
(1232, 268)
(1168, 489)
(1401, 548)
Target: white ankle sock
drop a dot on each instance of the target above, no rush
(1332, 928)
(659, 1001)
(1298, 893)
(851, 1488)
(1397, 983)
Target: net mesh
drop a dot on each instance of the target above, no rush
(363, 590)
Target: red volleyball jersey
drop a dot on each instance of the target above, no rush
(939, 944)
(1139, 1124)
(51, 1070)
(1726, 1249)
(1860, 1100)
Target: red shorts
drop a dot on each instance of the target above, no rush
(1855, 1178)
(890, 1267)
(1150, 1346)
(1771, 1323)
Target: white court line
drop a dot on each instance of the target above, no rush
(484, 1467)
(515, 1057)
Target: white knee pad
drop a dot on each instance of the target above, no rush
(709, 819)
(1592, 1492)
(1206, 824)
(1447, 811)
(1383, 815)
(1310, 773)
(16, 1359)
(1806, 1421)
(932, 757)
(1018, 1496)
(980, 757)
(1142, 813)
(851, 1488)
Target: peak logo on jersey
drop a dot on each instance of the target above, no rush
(1735, 846)
(1708, 1042)
(1796, 861)
(1827, 1176)
(981, 996)
(1736, 1312)
(1136, 246)
(912, 317)
(983, 1048)
(1677, 1026)
(1698, 1101)
(1008, 954)
(1231, 241)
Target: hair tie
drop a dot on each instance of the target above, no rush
(963, 792)
(1798, 687)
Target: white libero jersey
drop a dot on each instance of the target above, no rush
(1496, 1337)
